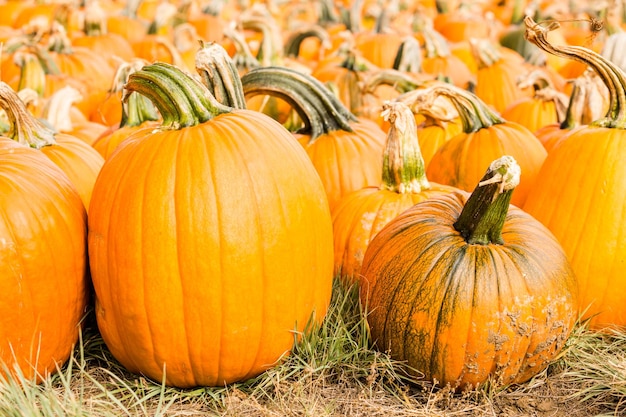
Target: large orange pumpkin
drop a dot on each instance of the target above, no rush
(42, 262)
(470, 289)
(582, 195)
(210, 239)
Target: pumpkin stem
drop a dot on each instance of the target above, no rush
(485, 211)
(401, 81)
(95, 20)
(23, 127)
(271, 48)
(403, 164)
(57, 109)
(293, 43)
(243, 58)
(409, 56)
(220, 75)
(181, 99)
(611, 75)
(318, 108)
(438, 112)
(435, 44)
(137, 108)
(32, 72)
(473, 112)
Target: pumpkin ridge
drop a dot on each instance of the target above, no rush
(178, 161)
(452, 283)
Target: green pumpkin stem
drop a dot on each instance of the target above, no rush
(473, 112)
(182, 100)
(271, 48)
(95, 21)
(409, 56)
(484, 213)
(294, 41)
(136, 109)
(32, 72)
(220, 75)
(402, 81)
(403, 164)
(243, 58)
(320, 110)
(611, 75)
(23, 127)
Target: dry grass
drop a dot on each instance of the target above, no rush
(332, 372)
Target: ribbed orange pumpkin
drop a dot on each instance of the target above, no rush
(469, 289)
(42, 262)
(79, 161)
(346, 151)
(582, 195)
(485, 137)
(360, 215)
(210, 240)
(498, 71)
(546, 106)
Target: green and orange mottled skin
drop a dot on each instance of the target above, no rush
(582, 197)
(461, 313)
(209, 246)
(43, 262)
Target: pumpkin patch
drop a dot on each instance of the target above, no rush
(195, 179)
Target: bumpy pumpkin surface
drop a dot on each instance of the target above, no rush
(460, 312)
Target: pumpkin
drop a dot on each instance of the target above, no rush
(440, 62)
(96, 37)
(546, 106)
(498, 71)
(582, 195)
(469, 289)
(189, 226)
(486, 136)
(361, 214)
(42, 263)
(346, 151)
(79, 161)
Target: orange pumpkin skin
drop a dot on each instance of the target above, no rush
(582, 201)
(78, 160)
(509, 307)
(110, 140)
(42, 263)
(219, 275)
(360, 215)
(357, 154)
(531, 112)
(460, 161)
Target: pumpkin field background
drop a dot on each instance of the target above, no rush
(348, 117)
